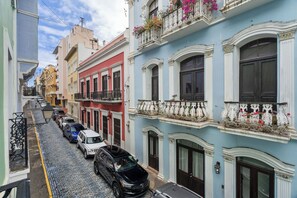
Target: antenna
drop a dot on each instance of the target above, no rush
(82, 21)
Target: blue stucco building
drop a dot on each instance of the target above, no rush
(212, 95)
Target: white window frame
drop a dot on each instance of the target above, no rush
(145, 148)
(285, 69)
(174, 71)
(117, 115)
(283, 171)
(116, 69)
(147, 76)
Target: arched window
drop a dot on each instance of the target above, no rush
(155, 83)
(254, 178)
(258, 71)
(192, 79)
(153, 9)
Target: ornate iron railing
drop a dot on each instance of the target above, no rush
(18, 141)
(23, 189)
(261, 117)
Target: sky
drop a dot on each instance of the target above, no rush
(56, 18)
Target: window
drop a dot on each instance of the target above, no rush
(258, 71)
(153, 9)
(155, 83)
(192, 79)
(89, 119)
(254, 178)
(88, 89)
(96, 121)
(105, 128)
(117, 131)
(95, 84)
(82, 87)
(104, 86)
(116, 84)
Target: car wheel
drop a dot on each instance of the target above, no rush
(117, 192)
(86, 154)
(96, 170)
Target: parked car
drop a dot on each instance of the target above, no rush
(57, 111)
(173, 190)
(89, 142)
(121, 171)
(65, 120)
(71, 131)
(58, 118)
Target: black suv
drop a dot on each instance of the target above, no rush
(121, 171)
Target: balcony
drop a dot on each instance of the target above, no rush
(112, 97)
(82, 97)
(149, 39)
(176, 25)
(235, 7)
(18, 151)
(262, 120)
(184, 113)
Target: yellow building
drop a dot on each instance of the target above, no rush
(49, 85)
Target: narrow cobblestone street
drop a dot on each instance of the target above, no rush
(70, 175)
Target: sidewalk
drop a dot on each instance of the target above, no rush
(155, 181)
(38, 186)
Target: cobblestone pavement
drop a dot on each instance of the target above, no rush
(70, 175)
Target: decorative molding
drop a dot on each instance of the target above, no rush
(261, 30)
(152, 128)
(208, 148)
(287, 35)
(283, 175)
(279, 166)
(151, 63)
(209, 152)
(228, 158)
(131, 59)
(228, 48)
(208, 53)
(171, 140)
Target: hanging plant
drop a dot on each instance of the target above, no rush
(211, 4)
(188, 8)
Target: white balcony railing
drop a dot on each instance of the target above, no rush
(181, 110)
(269, 118)
(177, 18)
(149, 37)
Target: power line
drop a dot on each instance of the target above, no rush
(54, 13)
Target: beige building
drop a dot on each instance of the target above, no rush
(75, 56)
(49, 84)
(77, 35)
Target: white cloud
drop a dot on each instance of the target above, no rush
(45, 58)
(53, 31)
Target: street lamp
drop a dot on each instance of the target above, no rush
(47, 112)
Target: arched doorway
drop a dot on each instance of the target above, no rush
(153, 149)
(190, 165)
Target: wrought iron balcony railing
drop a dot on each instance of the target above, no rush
(114, 95)
(18, 152)
(82, 96)
(271, 118)
(181, 110)
(22, 189)
(177, 18)
(29, 91)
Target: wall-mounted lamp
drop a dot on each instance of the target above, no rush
(217, 167)
(108, 77)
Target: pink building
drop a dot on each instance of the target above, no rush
(101, 91)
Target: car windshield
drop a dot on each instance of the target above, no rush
(94, 140)
(125, 163)
(69, 121)
(77, 128)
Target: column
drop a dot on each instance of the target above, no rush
(208, 173)
(161, 157)
(145, 148)
(229, 176)
(172, 158)
(287, 71)
(209, 81)
(132, 134)
(228, 72)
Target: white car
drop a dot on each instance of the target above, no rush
(89, 142)
(65, 120)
